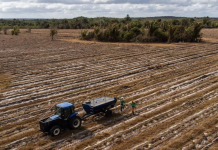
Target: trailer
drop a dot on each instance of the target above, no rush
(65, 116)
(99, 105)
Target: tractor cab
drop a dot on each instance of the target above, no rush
(64, 110)
(64, 117)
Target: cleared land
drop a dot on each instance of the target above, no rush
(175, 87)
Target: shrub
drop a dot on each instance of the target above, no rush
(5, 30)
(97, 33)
(90, 35)
(135, 30)
(114, 32)
(188, 35)
(179, 33)
(87, 35)
(106, 35)
(15, 31)
(128, 36)
(192, 33)
(53, 32)
(84, 34)
(160, 35)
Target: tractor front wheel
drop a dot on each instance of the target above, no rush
(75, 122)
(55, 131)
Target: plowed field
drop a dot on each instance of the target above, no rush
(175, 87)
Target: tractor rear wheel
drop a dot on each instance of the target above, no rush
(55, 131)
(75, 122)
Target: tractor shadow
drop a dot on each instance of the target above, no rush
(70, 135)
(108, 121)
(116, 117)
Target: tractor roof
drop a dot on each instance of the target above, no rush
(64, 105)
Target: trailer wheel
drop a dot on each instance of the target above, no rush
(75, 122)
(55, 131)
(108, 113)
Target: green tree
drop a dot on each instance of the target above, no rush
(159, 20)
(175, 22)
(185, 22)
(196, 31)
(127, 18)
(146, 24)
(179, 33)
(152, 27)
(53, 32)
(160, 35)
(206, 22)
(15, 31)
(164, 26)
(114, 32)
(128, 36)
(171, 30)
(191, 20)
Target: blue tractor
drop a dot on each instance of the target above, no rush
(66, 117)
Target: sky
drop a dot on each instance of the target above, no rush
(107, 8)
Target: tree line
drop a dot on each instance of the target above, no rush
(120, 29)
(183, 30)
(90, 23)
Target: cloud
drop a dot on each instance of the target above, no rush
(107, 8)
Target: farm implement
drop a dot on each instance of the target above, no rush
(66, 117)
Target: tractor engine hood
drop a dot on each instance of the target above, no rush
(54, 117)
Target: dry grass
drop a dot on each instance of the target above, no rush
(89, 142)
(214, 146)
(116, 43)
(43, 142)
(151, 133)
(14, 125)
(16, 137)
(208, 125)
(28, 148)
(4, 82)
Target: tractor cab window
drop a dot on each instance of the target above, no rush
(72, 109)
(58, 111)
(67, 113)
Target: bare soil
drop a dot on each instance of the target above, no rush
(175, 87)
